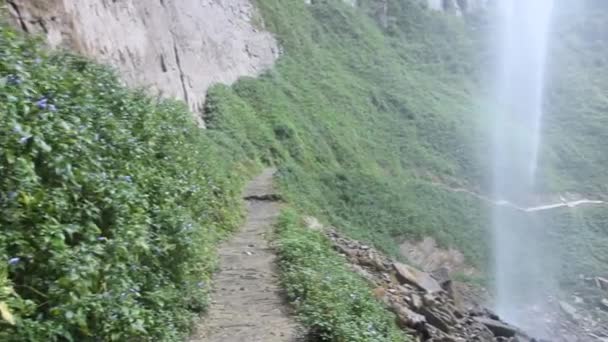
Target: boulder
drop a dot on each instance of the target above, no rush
(416, 301)
(498, 328)
(604, 303)
(570, 311)
(422, 280)
(371, 259)
(442, 320)
(442, 275)
(407, 318)
(602, 283)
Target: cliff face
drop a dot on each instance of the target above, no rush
(177, 48)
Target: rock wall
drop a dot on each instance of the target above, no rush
(176, 48)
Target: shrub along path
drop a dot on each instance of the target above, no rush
(247, 304)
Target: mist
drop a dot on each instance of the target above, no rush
(522, 262)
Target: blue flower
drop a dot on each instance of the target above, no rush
(17, 129)
(102, 238)
(13, 80)
(14, 261)
(42, 103)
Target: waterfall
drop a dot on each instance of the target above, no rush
(521, 263)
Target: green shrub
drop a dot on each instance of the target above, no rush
(334, 303)
(110, 203)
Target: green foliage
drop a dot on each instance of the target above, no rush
(364, 121)
(110, 204)
(334, 303)
(371, 124)
(575, 121)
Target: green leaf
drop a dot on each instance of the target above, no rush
(6, 313)
(43, 145)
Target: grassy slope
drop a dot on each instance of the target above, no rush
(362, 119)
(576, 120)
(575, 135)
(332, 301)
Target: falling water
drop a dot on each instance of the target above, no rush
(522, 281)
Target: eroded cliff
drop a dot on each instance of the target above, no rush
(176, 48)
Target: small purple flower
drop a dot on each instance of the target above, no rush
(42, 103)
(14, 261)
(13, 80)
(102, 238)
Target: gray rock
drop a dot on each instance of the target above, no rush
(174, 48)
(416, 301)
(498, 328)
(570, 311)
(602, 283)
(604, 303)
(422, 280)
(440, 319)
(407, 318)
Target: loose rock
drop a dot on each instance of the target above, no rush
(422, 280)
(570, 311)
(499, 329)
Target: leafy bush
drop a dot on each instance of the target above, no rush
(110, 203)
(332, 301)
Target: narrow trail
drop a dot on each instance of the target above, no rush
(247, 305)
(504, 203)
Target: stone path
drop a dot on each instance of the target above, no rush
(247, 305)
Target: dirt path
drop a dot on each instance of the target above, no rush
(504, 203)
(247, 305)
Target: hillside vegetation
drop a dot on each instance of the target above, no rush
(577, 104)
(111, 202)
(332, 301)
(363, 120)
(372, 124)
